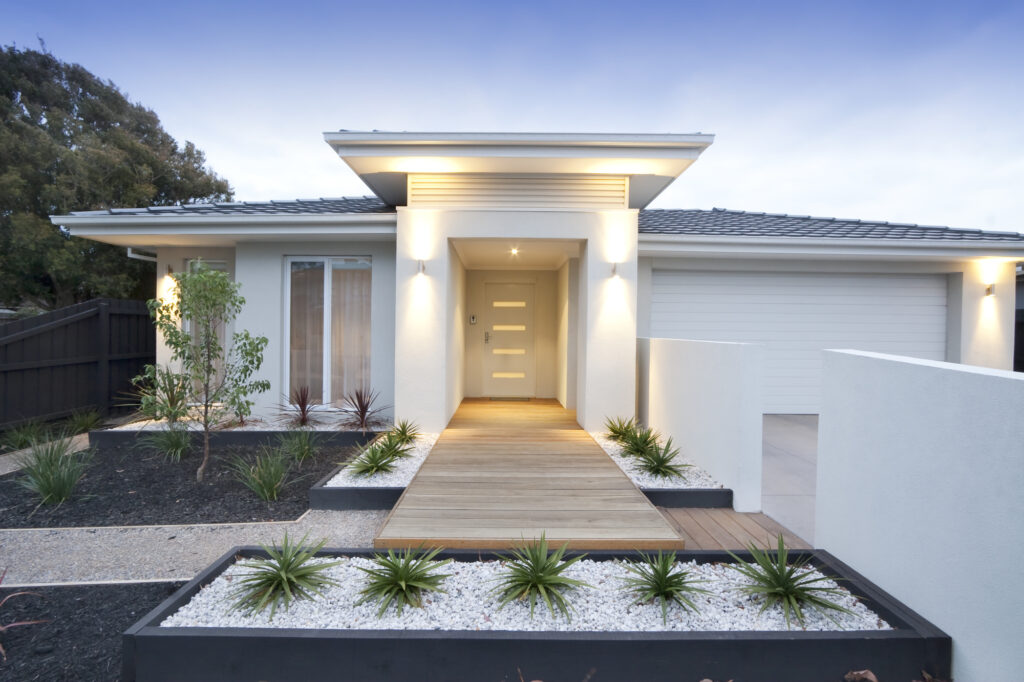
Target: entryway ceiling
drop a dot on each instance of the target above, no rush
(531, 254)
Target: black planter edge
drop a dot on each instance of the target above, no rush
(914, 636)
(120, 437)
(337, 498)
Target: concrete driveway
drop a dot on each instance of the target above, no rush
(790, 450)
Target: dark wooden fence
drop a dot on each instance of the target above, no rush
(80, 357)
(1018, 344)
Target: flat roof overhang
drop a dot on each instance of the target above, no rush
(384, 160)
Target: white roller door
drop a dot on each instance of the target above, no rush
(796, 315)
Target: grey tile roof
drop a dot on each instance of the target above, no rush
(284, 208)
(725, 223)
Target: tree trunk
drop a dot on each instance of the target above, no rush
(206, 455)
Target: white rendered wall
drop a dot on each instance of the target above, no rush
(987, 322)
(260, 268)
(457, 325)
(566, 344)
(425, 304)
(920, 473)
(706, 395)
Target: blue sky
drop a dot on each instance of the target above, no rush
(905, 111)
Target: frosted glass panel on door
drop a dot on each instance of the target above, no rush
(306, 364)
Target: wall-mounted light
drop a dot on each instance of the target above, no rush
(170, 270)
(422, 267)
(615, 269)
(990, 290)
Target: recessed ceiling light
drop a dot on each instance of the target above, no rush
(515, 252)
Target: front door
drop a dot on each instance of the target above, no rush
(509, 363)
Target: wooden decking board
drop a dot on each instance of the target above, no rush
(732, 530)
(503, 472)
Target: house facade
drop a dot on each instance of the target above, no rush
(527, 265)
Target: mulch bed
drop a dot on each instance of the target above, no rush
(82, 641)
(130, 486)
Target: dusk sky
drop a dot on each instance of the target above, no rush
(907, 111)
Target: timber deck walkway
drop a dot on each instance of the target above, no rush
(504, 472)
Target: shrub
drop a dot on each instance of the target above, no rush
(406, 432)
(660, 578)
(373, 459)
(84, 421)
(361, 410)
(791, 586)
(299, 410)
(638, 441)
(299, 445)
(288, 573)
(266, 475)
(659, 460)
(532, 572)
(51, 470)
(5, 628)
(618, 428)
(172, 442)
(161, 393)
(402, 578)
(23, 436)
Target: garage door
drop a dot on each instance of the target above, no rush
(796, 315)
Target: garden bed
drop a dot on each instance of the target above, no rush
(125, 485)
(83, 638)
(251, 435)
(550, 652)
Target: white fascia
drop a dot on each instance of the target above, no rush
(229, 225)
(697, 246)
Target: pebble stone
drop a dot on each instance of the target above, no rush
(693, 476)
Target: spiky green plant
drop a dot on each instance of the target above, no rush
(288, 573)
(375, 458)
(52, 470)
(83, 421)
(791, 586)
(661, 578)
(659, 460)
(266, 475)
(619, 428)
(532, 572)
(24, 435)
(173, 442)
(393, 443)
(639, 440)
(406, 432)
(299, 445)
(402, 578)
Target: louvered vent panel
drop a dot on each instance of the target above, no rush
(518, 191)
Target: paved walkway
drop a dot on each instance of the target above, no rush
(789, 475)
(9, 462)
(503, 472)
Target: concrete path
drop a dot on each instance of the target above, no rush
(9, 462)
(62, 555)
(789, 474)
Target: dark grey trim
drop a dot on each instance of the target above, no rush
(339, 498)
(155, 654)
(689, 497)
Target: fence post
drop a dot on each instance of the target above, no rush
(103, 373)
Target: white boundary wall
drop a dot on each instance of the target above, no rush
(921, 489)
(706, 395)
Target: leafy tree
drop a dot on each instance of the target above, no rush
(191, 321)
(70, 141)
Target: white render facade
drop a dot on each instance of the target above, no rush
(525, 265)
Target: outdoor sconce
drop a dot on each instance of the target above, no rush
(990, 290)
(422, 267)
(615, 269)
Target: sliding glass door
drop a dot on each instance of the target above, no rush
(329, 326)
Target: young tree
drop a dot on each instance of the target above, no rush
(191, 321)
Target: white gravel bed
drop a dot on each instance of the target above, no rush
(693, 476)
(402, 475)
(469, 604)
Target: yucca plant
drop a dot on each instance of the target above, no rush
(173, 442)
(361, 409)
(266, 475)
(8, 626)
(299, 407)
(84, 421)
(373, 459)
(618, 428)
(288, 573)
(406, 432)
(23, 436)
(393, 443)
(661, 578)
(161, 393)
(299, 445)
(659, 460)
(791, 586)
(639, 440)
(531, 573)
(52, 470)
(402, 578)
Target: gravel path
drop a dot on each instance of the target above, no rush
(45, 556)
